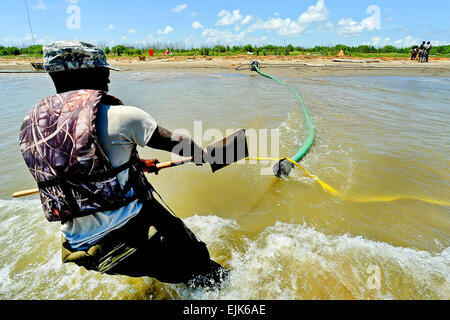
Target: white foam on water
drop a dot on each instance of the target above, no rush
(326, 159)
(289, 261)
(31, 266)
(285, 261)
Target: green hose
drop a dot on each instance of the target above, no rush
(284, 167)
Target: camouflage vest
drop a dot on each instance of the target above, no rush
(60, 147)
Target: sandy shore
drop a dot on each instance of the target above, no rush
(282, 66)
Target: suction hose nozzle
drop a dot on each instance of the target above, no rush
(282, 168)
(254, 66)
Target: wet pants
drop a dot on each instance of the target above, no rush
(171, 253)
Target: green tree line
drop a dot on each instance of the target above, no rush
(15, 51)
(221, 50)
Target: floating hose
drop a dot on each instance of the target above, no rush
(335, 193)
(284, 166)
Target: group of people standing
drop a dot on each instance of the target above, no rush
(422, 53)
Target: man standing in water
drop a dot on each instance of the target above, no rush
(427, 49)
(414, 51)
(80, 146)
(422, 52)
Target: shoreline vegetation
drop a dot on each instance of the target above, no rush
(362, 51)
(285, 60)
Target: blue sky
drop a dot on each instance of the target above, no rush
(206, 22)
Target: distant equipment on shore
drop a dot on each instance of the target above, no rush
(355, 61)
(38, 66)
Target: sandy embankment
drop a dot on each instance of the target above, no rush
(283, 66)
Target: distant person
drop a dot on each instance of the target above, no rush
(427, 49)
(414, 52)
(421, 52)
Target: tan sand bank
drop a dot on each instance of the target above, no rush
(282, 65)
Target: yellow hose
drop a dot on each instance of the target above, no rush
(330, 190)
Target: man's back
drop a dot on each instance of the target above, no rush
(119, 130)
(117, 242)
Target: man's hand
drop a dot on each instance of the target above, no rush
(149, 165)
(179, 144)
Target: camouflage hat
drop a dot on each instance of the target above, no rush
(73, 55)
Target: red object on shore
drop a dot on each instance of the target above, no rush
(150, 52)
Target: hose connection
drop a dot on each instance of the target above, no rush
(254, 65)
(282, 168)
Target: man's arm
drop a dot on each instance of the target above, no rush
(182, 145)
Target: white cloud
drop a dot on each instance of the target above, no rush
(167, 30)
(197, 25)
(179, 8)
(15, 40)
(123, 38)
(288, 27)
(39, 6)
(131, 31)
(349, 27)
(193, 13)
(407, 42)
(283, 27)
(220, 36)
(189, 42)
(440, 43)
(247, 19)
(45, 40)
(110, 27)
(316, 13)
(378, 42)
(262, 38)
(227, 18)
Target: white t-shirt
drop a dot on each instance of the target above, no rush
(119, 130)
